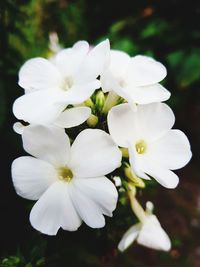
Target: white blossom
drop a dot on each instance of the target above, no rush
(51, 86)
(148, 233)
(69, 118)
(68, 181)
(136, 79)
(154, 148)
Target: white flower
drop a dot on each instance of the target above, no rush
(68, 181)
(154, 148)
(149, 233)
(51, 87)
(69, 118)
(136, 79)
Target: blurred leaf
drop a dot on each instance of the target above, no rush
(126, 45)
(154, 28)
(186, 66)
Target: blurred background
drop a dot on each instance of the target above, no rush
(167, 30)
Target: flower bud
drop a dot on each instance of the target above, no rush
(92, 120)
(138, 182)
(100, 100)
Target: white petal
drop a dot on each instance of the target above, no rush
(40, 107)
(122, 124)
(81, 92)
(101, 191)
(135, 163)
(148, 122)
(48, 143)
(172, 151)
(69, 60)
(31, 177)
(129, 237)
(54, 210)
(144, 71)
(153, 120)
(88, 210)
(18, 127)
(39, 73)
(108, 82)
(147, 94)
(94, 154)
(73, 117)
(162, 175)
(152, 235)
(119, 62)
(96, 61)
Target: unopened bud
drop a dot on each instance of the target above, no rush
(138, 182)
(92, 120)
(100, 100)
(89, 103)
(124, 151)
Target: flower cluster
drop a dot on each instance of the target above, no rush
(121, 135)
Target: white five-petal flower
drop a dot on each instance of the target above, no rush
(51, 86)
(148, 233)
(136, 79)
(68, 181)
(154, 148)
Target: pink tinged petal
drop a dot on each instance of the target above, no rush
(172, 151)
(96, 62)
(39, 107)
(73, 117)
(31, 177)
(47, 143)
(152, 235)
(147, 94)
(101, 191)
(129, 237)
(145, 71)
(54, 210)
(135, 163)
(122, 124)
(89, 211)
(80, 92)
(94, 154)
(39, 73)
(69, 60)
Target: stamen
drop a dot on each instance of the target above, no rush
(65, 174)
(141, 147)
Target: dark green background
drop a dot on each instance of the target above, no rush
(167, 30)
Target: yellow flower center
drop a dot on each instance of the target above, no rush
(141, 147)
(65, 174)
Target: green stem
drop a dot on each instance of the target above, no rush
(136, 207)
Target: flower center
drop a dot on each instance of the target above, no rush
(67, 83)
(141, 147)
(65, 174)
(122, 82)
